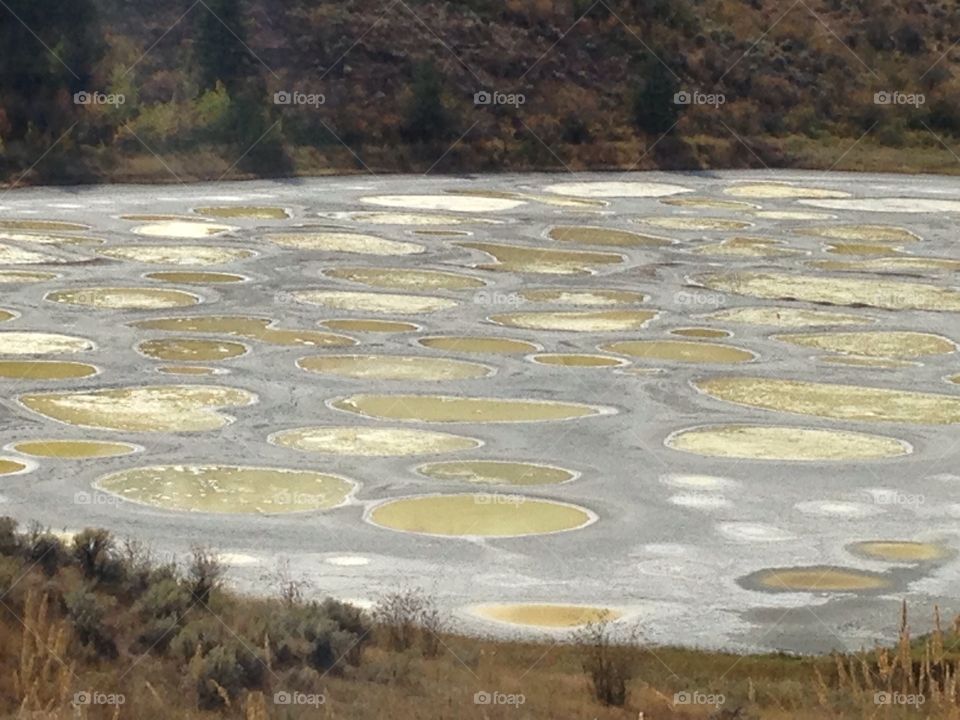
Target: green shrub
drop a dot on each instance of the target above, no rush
(224, 672)
(93, 549)
(205, 574)
(9, 539)
(86, 613)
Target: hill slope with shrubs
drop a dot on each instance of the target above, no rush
(243, 88)
(93, 628)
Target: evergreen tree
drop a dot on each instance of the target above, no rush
(221, 45)
(654, 109)
(426, 117)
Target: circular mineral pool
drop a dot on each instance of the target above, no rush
(681, 351)
(44, 370)
(616, 189)
(586, 297)
(249, 328)
(479, 515)
(455, 409)
(587, 235)
(9, 466)
(900, 551)
(369, 325)
(18, 342)
(875, 292)
(372, 441)
(547, 616)
(817, 579)
(228, 489)
(577, 320)
(196, 278)
(255, 212)
(578, 360)
(874, 343)
(74, 449)
(394, 367)
(701, 332)
(176, 254)
(453, 203)
(694, 223)
(479, 344)
(787, 317)
(496, 472)
(344, 242)
(157, 408)
(375, 302)
(124, 298)
(182, 229)
(403, 279)
(191, 349)
(838, 402)
(521, 259)
(775, 442)
(773, 191)
(42, 225)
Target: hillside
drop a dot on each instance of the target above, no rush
(390, 86)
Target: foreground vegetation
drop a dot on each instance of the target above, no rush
(243, 88)
(92, 628)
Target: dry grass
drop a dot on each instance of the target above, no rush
(230, 657)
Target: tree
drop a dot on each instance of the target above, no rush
(221, 45)
(426, 117)
(49, 50)
(654, 108)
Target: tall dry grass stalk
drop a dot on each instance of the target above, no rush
(903, 670)
(42, 681)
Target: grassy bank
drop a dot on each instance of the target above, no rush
(93, 628)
